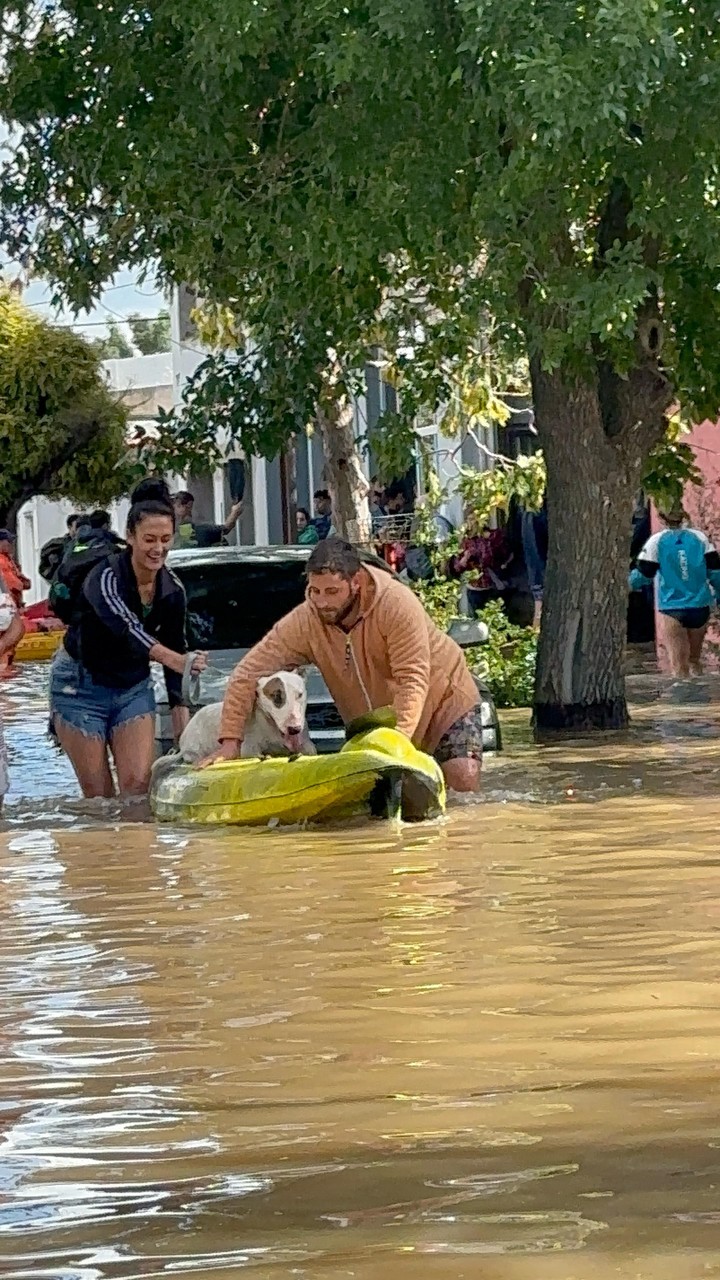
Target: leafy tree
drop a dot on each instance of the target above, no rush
(150, 334)
(554, 162)
(114, 346)
(62, 432)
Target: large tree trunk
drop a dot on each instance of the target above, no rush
(594, 464)
(344, 474)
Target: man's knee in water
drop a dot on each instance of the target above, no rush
(459, 752)
(462, 774)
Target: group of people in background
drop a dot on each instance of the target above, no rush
(319, 527)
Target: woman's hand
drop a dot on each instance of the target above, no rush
(229, 749)
(199, 664)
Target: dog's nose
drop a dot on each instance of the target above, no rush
(294, 729)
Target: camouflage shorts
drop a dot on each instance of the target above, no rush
(463, 740)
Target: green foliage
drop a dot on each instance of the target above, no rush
(319, 187)
(114, 346)
(440, 597)
(507, 661)
(150, 334)
(670, 468)
(486, 492)
(395, 445)
(62, 433)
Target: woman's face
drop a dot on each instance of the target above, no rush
(301, 521)
(150, 542)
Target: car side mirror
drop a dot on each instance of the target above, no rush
(468, 631)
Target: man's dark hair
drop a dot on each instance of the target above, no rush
(322, 493)
(398, 489)
(334, 556)
(183, 496)
(100, 519)
(75, 518)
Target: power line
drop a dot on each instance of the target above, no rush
(183, 346)
(105, 324)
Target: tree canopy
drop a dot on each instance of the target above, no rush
(150, 334)
(61, 430)
(115, 346)
(577, 144)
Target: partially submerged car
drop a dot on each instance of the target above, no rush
(235, 596)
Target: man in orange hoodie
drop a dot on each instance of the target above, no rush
(375, 646)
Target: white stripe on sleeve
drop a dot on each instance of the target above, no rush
(116, 605)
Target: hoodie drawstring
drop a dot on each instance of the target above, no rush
(350, 658)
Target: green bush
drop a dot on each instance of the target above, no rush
(507, 661)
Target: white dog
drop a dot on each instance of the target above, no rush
(276, 726)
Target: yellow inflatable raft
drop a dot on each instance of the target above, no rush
(378, 772)
(38, 646)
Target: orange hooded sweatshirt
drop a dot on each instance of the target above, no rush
(393, 655)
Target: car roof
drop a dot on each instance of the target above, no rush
(199, 557)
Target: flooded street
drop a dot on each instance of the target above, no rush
(483, 1048)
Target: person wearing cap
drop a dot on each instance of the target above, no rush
(12, 575)
(686, 568)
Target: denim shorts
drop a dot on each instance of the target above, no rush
(95, 710)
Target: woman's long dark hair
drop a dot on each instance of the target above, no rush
(150, 497)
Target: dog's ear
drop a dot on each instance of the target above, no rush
(273, 687)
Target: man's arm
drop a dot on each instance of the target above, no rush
(287, 645)
(233, 516)
(404, 625)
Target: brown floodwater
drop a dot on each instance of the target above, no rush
(486, 1047)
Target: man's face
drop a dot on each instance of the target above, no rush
(323, 506)
(395, 504)
(332, 595)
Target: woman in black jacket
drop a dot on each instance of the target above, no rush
(131, 613)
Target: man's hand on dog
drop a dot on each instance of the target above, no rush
(229, 749)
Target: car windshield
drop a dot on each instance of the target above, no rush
(232, 606)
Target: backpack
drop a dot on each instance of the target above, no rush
(50, 556)
(90, 548)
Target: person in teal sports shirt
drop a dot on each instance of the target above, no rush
(686, 568)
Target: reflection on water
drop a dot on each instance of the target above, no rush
(482, 1048)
